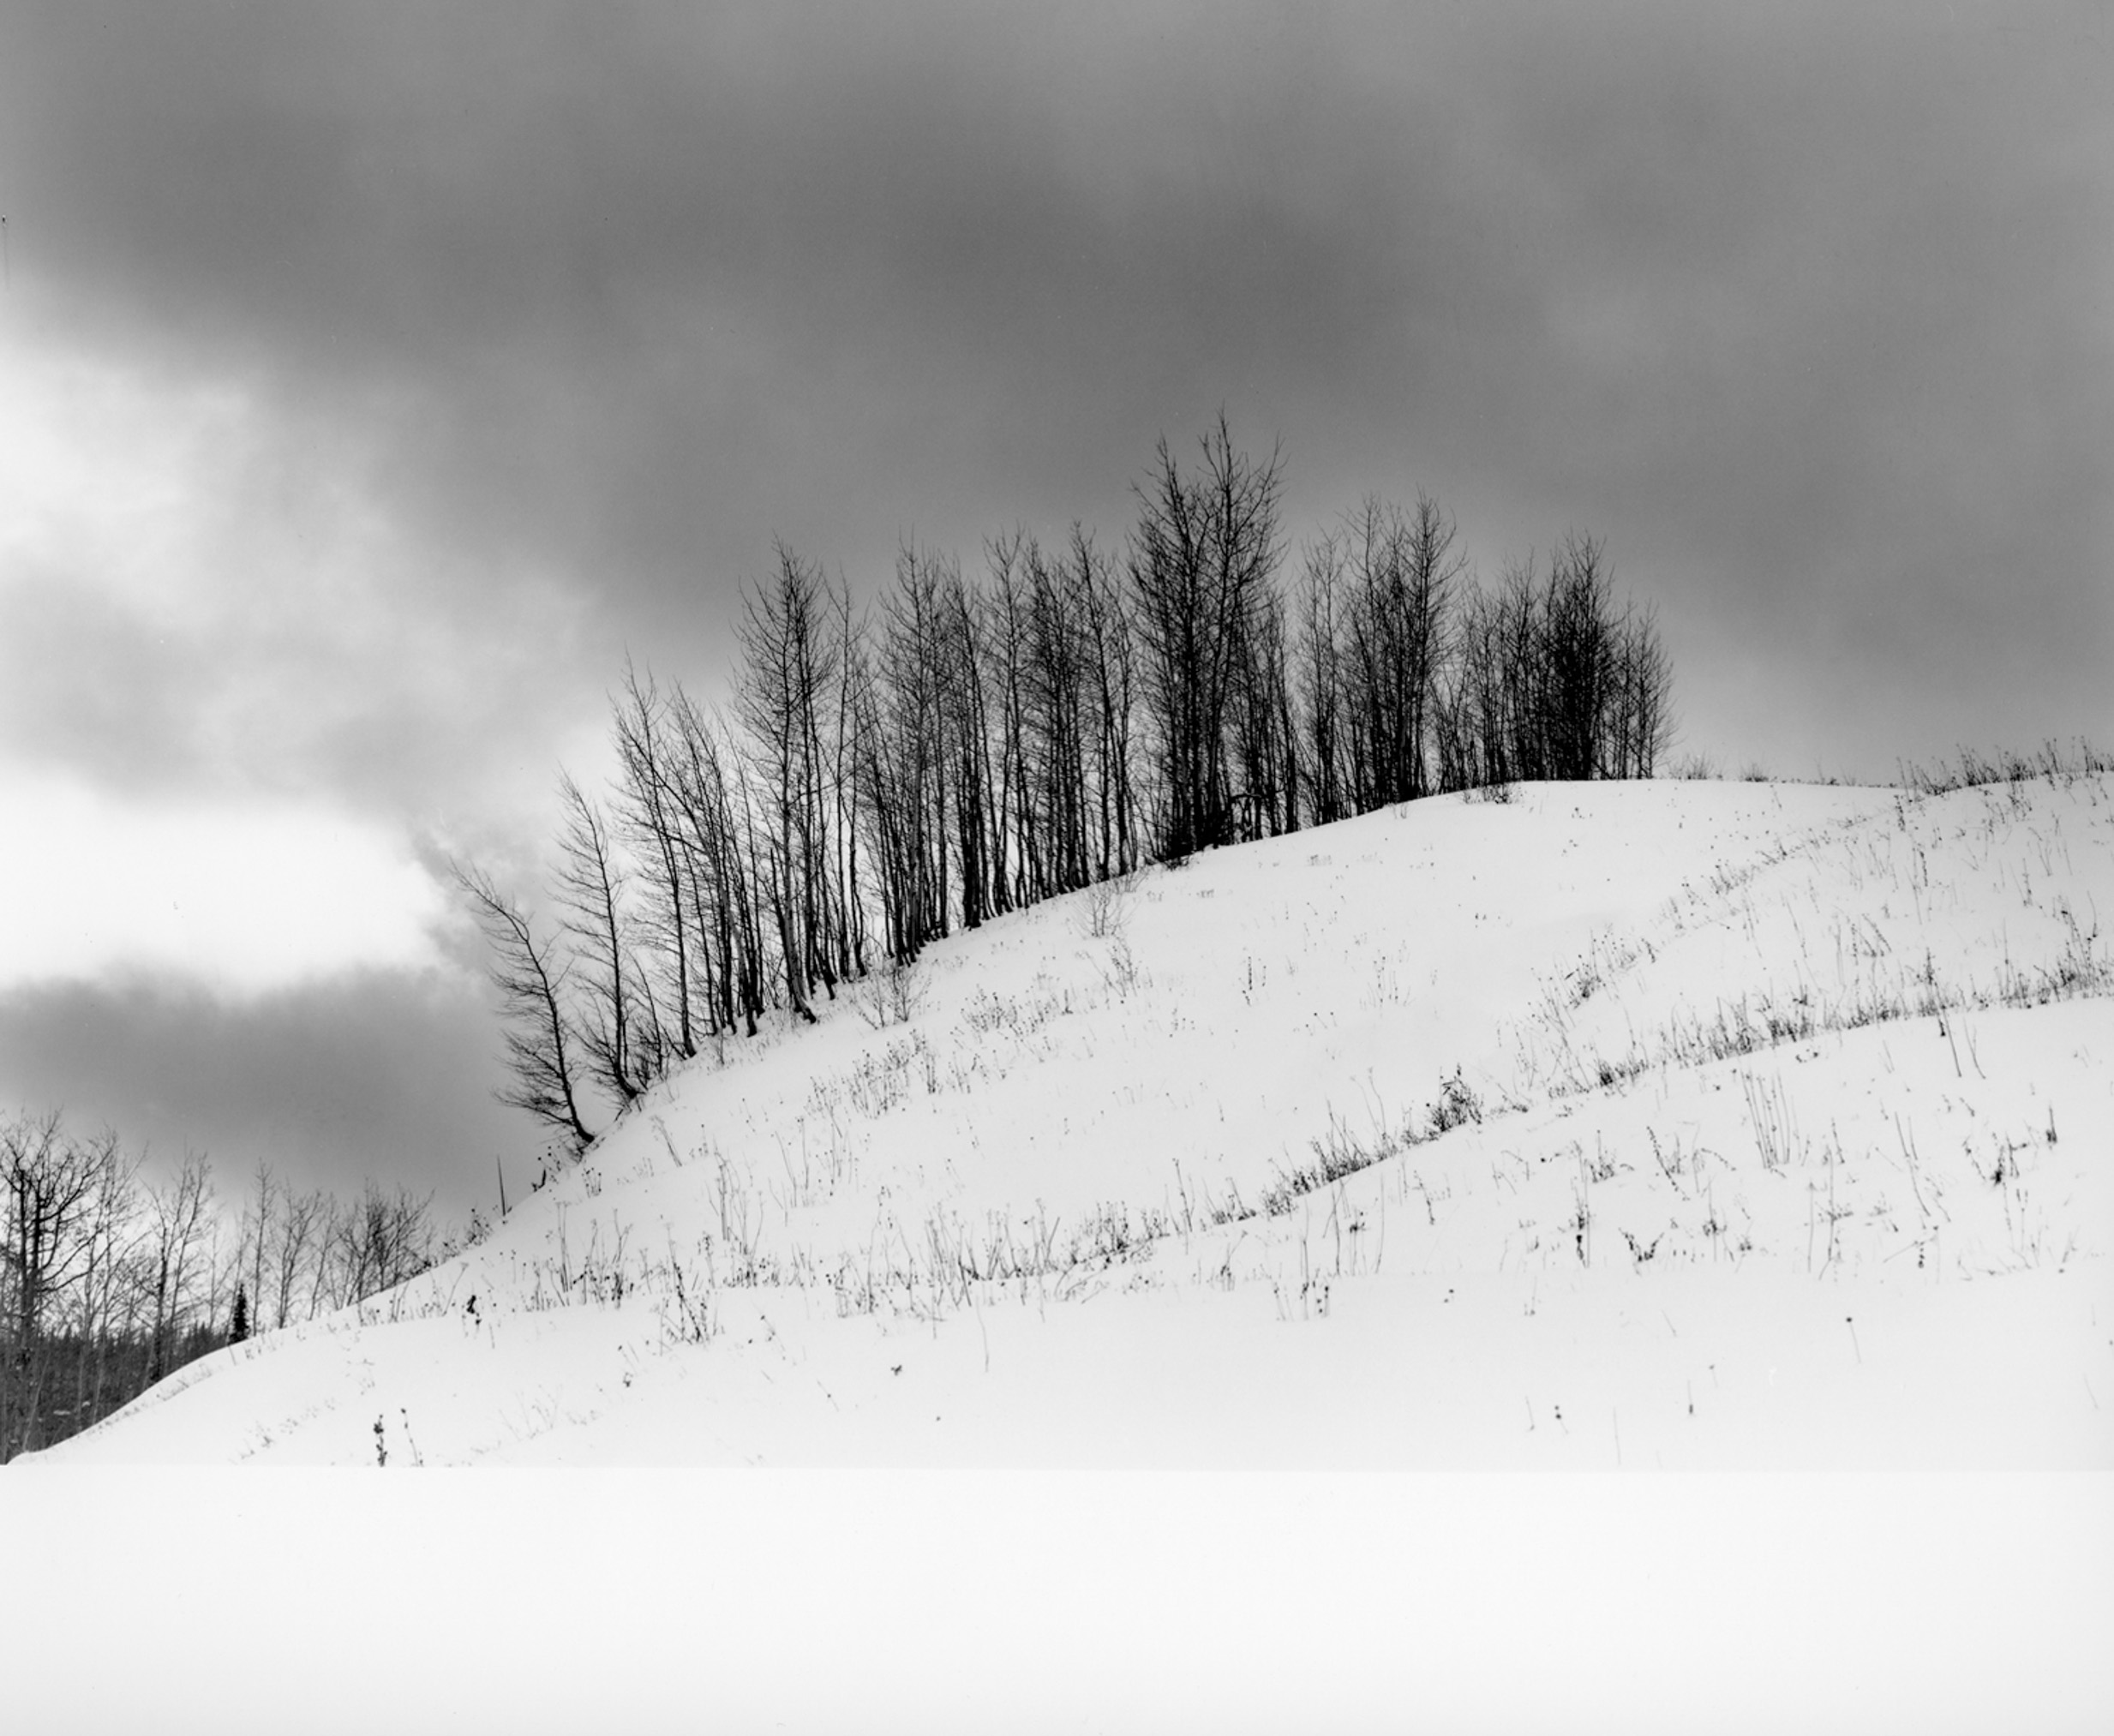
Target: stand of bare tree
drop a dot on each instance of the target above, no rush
(964, 749)
(969, 748)
(107, 1283)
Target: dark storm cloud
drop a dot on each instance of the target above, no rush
(494, 340)
(1807, 315)
(376, 1076)
(1841, 348)
(603, 286)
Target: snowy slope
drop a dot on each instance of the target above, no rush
(1665, 1125)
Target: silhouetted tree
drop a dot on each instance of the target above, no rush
(983, 746)
(47, 1186)
(178, 1223)
(619, 1029)
(1203, 555)
(530, 976)
(649, 814)
(1320, 682)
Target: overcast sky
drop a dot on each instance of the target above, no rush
(373, 377)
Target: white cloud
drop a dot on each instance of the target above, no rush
(243, 897)
(206, 581)
(103, 474)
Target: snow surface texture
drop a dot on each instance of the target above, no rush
(1661, 1125)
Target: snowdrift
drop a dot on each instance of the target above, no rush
(1672, 1124)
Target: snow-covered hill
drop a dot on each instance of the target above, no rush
(1678, 1124)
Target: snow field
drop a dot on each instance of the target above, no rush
(1672, 1125)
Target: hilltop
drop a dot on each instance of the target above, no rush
(1659, 1124)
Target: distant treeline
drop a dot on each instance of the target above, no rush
(107, 1283)
(974, 747)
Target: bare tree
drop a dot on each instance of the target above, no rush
(302, 1219)
(1016, 844)
(789, 665)
(1642, 727)
(1320, 681)
(1401, 568)
(47, 1185)
(850, 678)
(384, 1240)
(1057, 695)
(965, 723)
(106, 1306)
(1203, 554)
(177, 1225)
(1098, 604)
(913, 788)
(1575, 659)
(616, 1040)
(651, 815)
(1265, 752)
(328, 1278)
(256, 1234)
(530, 977)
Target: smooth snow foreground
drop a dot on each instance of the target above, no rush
(1641, 1125)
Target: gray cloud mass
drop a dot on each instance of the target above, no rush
(1804, 310)
(1807, 316)
(368, 1076)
